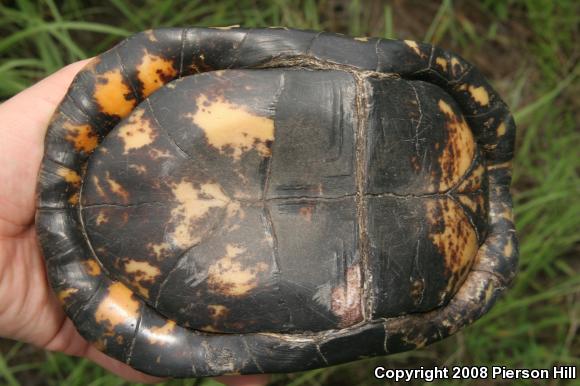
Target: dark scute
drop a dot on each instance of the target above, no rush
(345, 50)
(313, 153)
(401, 254)
(263, 45)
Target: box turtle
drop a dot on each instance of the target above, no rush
(228, 200)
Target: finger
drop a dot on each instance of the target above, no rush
(27, 114)
(244, 380)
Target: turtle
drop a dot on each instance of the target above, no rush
(236, 201)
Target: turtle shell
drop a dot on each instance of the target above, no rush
(217, 201)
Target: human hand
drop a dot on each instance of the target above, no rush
(29, 311)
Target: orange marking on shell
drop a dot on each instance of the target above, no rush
(458, 152)
(228, 126)
(102, 218)
(136, 132)
(468, 202)
(456, 67)
(501, 129)
(150, 35)
(194, 203)
(74, 199)
(154, 71)
(142, 273)
(98, 187)
(117, 189)
(113, 95)
(118, 307)
(82, 137)
(228, 277)
(415, 47)
(159, 250)
(69, 176)
(217, 311)
(479, 94)
(441, 62)
(473, 182)
(454, 237)
(139, 169)
(161, 335)
(93, 268)
(65, 294)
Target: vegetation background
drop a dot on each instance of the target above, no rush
(528, 49)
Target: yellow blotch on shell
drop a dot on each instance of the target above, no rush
(217, 311)
(159, 250)
(82, 137)
(468, 202)
(193, 204)
(501, 129)
(453, 235)
(69, 175)
(508, 249)
(117, 188)
(111, 94)
(479, 94)
(227, 125)
(459, 149)
(93, 268)
(74, 198)
(65, 294)
(98, 187)
(118, 307)
(473, 182)
(136, 132)
(150, 35)
(441, 62)
(228, 277)
(161, 335)
(154, 71)
(143, 273)
(143, 270)
(102, 218)
(414, 46)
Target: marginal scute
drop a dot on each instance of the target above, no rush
(161, 335)
(414, 46)
(113, 95)
(69, 175)
(118, 307)
(153, 72)
(82, 137)
(65, 294)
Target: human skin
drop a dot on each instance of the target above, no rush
(29, 311)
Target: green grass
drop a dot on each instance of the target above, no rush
(528, 49)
